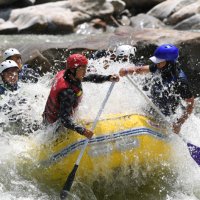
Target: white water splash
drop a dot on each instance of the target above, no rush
(124, 99)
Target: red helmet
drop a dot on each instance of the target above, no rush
(76, 60)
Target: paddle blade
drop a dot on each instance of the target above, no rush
(68, 183)
(194, 152)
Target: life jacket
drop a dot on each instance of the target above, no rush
(4, 88)
(22, 72)
(27, 74)
(163, 92)
(51, 112)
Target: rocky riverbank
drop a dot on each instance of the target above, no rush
(63, 17)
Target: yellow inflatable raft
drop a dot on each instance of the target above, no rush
(119, 141)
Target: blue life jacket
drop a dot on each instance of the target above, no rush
(28, 74)
(4, 88)
(22, 72)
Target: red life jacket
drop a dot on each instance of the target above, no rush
(51, 112)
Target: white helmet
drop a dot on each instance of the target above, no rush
(7, 64)
(10, 52)
(125, 50)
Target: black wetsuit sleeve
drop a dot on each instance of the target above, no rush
(152, 68)
(96, 78)
(67, 99)
(184, 90)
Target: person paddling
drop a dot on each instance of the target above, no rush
(66, 93)
(169, 84)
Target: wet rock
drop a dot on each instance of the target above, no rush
(38, 59)
(24, 3)
(59, 17)
(142, 3)
(164, 10)
(47, 18)
(16, 3)
(46, 1)
(2, 21)
(93, 8)
(125, 20)
(94, 27)
(189, 58)
(189, 23)
(6, 2)
(146, 21)
(184, 13)
(167, 8)
(123, 30)
(118, 5)
(124, 17)
(8, 28)
(98, 23)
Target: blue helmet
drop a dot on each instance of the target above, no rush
(167, 52)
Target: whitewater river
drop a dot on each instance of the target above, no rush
(177, 181)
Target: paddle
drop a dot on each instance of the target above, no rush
(193, 149)
(71, 176)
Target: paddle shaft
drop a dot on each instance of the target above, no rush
(70, 178)
(95, 121)
(147, 99)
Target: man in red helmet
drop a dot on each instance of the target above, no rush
(66, 93)
(168, 85)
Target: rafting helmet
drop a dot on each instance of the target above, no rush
(125, 50)
(7, 64)
(165, 52)
(10, 52)
(74, 61)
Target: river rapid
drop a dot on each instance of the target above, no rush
(178, 180)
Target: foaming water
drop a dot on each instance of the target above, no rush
(179, 179)
(124, 98)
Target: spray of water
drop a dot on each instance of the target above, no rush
(176, 180)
